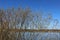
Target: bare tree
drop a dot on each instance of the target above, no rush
(22, 19)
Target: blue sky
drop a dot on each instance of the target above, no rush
(52, 6)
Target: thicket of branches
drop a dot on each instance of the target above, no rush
(22, 19)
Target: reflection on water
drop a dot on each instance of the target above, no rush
(40, 36)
